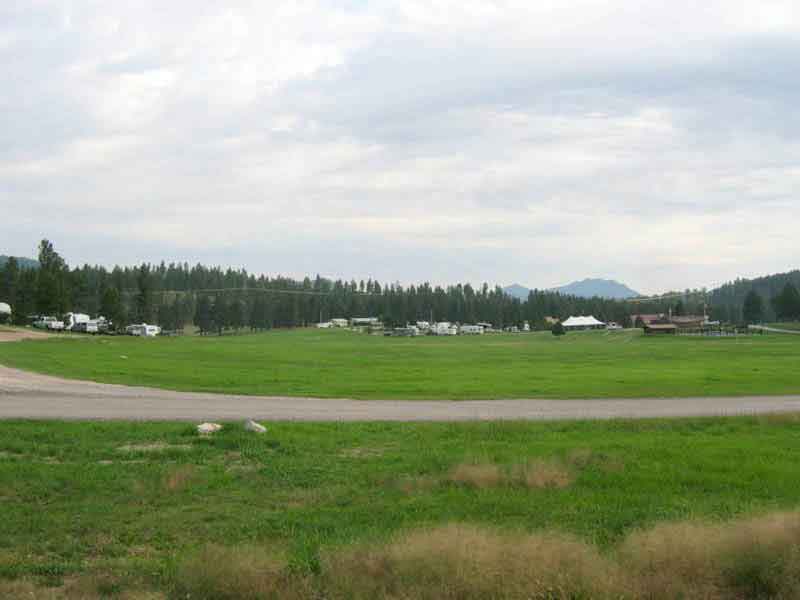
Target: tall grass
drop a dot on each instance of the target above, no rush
(749, 558)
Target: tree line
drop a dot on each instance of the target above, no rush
(215, 299)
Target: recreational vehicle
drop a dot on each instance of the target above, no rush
(50, 323)
(143, 330)
(471, 330)
(445, 328)
(71, 320)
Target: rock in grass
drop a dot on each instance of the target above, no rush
(251, 425)
(208, 428)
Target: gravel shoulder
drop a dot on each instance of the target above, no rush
(35, 396)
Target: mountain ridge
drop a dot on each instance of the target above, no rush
(585, 288)
(24, 263)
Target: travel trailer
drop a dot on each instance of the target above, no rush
(143, 330)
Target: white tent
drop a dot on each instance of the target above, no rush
(582, 323)
(5, 309)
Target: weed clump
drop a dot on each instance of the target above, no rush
(752, 558)
(239, 573)
(540, 473)
(477, 475)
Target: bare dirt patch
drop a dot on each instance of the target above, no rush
(16, 335)
(153, 447)
(539, 473)
(361, 452)
(544, 474)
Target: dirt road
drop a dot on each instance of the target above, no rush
(28, 395)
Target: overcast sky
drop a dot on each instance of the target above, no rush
(654, 142)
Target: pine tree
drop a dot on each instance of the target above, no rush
(51, 281)
(9, 280)
(787, 303)
(111, 306)
(219, 313)
(753, 308)
(202, 315)
(144, 299)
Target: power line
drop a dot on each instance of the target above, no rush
(250, 289)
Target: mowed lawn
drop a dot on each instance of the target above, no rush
(133, 501)
(346, 364)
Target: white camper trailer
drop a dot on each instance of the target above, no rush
(445, 328)
(471, 330)
(72, 319)
(5, 312)
(143, 330)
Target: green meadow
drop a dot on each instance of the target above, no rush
(308, 362)
(152, 510)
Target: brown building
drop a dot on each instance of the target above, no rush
(660, 328)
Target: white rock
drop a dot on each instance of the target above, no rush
(251, 425)
(208, 428)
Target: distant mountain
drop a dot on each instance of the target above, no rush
(604, 288)
(516, 290)
(588, 288)
(24, 263)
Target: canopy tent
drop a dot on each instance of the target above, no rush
(582, 323)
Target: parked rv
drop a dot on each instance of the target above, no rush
(409, 331)
(50, 323)
(143, 330)
(86, 327)
(71, 320)
(471, 330)
(445, 328)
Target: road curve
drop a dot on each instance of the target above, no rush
(33, 396)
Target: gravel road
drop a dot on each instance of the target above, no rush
(29, 395)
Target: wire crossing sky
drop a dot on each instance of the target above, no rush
(657, 143)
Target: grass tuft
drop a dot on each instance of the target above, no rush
(241, 573)
(477, 475)
(545, 474)
(179, 478)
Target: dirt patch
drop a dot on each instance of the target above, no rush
(545, 474)
(477, 475)
(16, 335)
(153, 447)
(361, 452)
(540, 473)
(180, 478)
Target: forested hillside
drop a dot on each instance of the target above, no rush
(728, 299)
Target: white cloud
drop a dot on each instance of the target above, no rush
(480, 140)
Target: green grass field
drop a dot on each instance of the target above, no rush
(793, 325)
(126, 505)
(346, 364)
